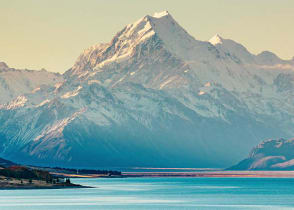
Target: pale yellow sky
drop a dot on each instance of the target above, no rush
(51, 34)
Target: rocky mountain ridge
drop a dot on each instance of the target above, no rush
(16, 82)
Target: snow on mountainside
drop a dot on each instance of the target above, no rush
(153, 96)
(153, 42)
(231, 48)
(269, 155)
(14, 83)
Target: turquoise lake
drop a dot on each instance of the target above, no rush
(158, 193)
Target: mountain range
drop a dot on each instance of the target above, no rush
(153, 96)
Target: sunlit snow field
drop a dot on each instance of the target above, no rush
(159, 193)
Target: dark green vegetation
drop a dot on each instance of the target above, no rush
(13, 176)
(22, 172)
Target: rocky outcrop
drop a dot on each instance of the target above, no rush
(269, 155)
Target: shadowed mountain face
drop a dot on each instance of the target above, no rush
(153, 96)
(6, 163)
(269, 155)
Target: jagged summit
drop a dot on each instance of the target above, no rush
(160, 29)
(159, 42)
(235, 50)
(217, 39)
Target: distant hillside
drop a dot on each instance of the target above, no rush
(12, 170)
(269, 155)
(22, 172)
(14, 176)
(6, 163)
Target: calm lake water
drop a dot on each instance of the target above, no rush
(159, 193)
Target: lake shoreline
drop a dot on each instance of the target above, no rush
(198, 174)
(214, 174)
(19, 184)
(43, 188)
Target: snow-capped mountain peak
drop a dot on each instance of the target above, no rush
(160, 30)
(217, 39)
(233, 49)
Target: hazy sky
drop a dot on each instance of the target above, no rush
(51, 34)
